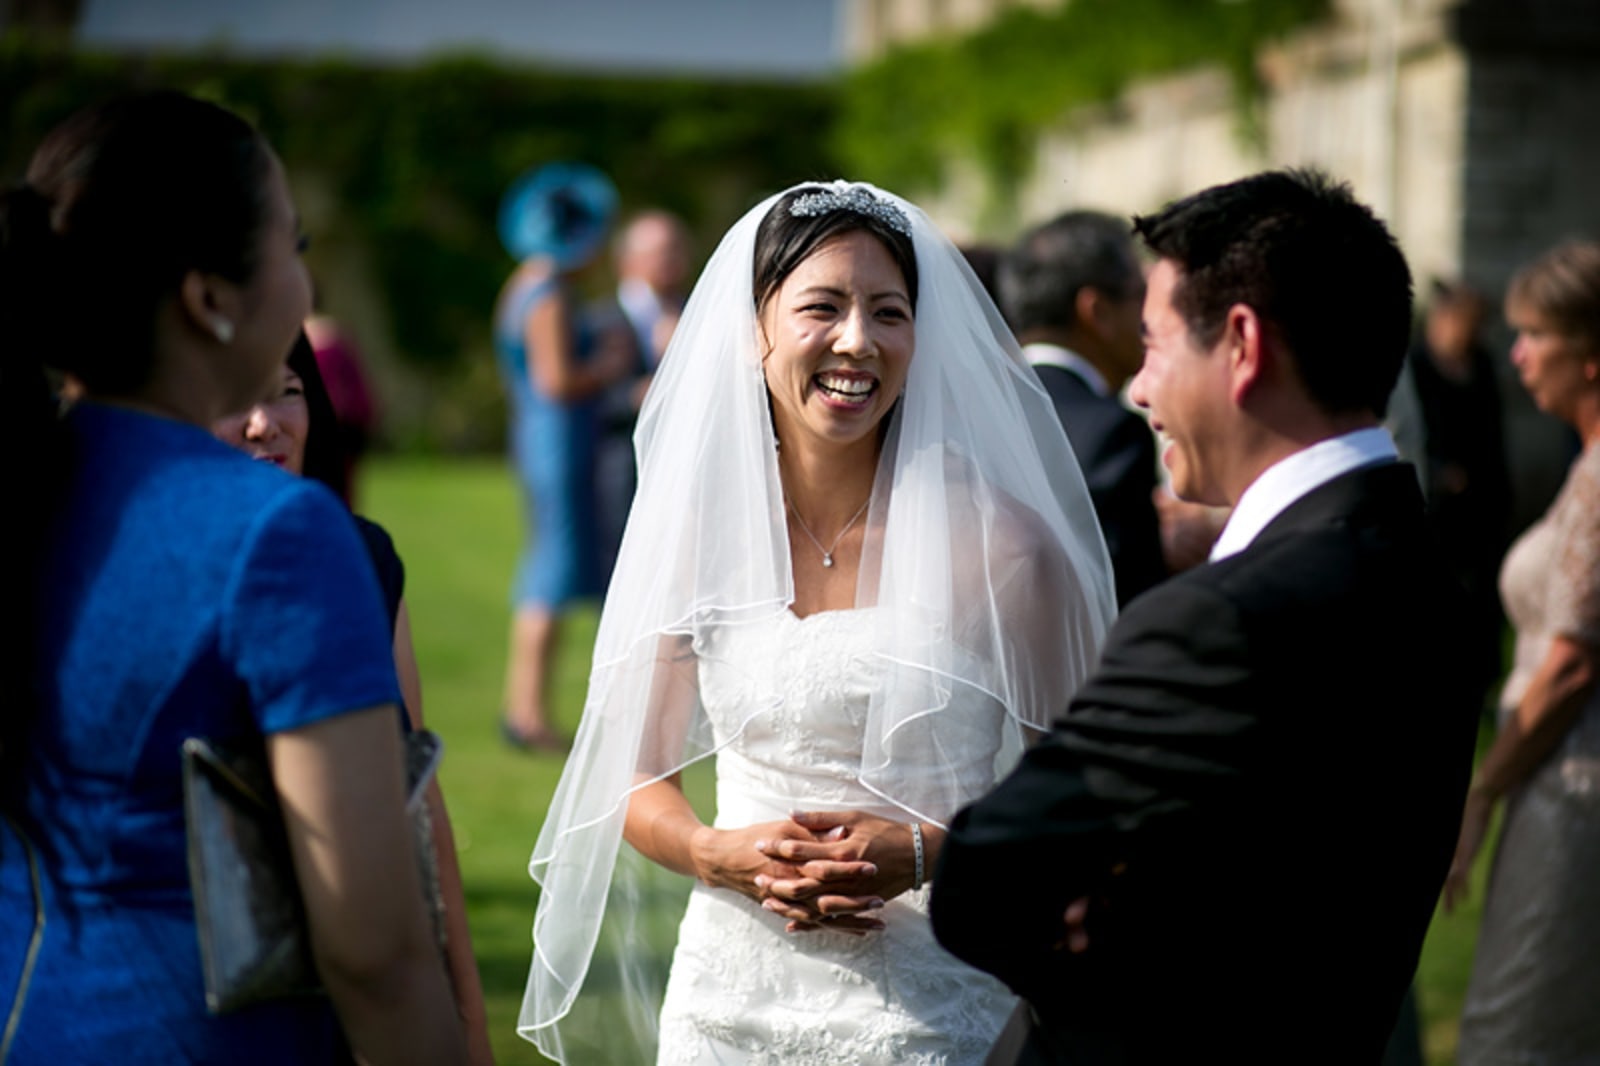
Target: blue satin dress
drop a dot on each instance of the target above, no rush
(184, 591)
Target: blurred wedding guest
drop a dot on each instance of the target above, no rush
(1446, 414)
(554, 221)
(172, 588)
(861, 573)
(652, 282)
(653, 279)
(1071, 289)
(294, 427)
(1205, 794)
(354, 403)
(1536, 974)
(984, 259)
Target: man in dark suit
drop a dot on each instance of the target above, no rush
(652, 281)
(1071, 289)
(1229, 848)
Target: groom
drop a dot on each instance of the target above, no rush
(1228, 849)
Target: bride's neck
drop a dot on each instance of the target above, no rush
(828, 486)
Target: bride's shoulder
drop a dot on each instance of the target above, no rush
(997, 523)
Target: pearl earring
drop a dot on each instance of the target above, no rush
(222, 329)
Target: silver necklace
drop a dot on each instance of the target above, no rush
(827, 553)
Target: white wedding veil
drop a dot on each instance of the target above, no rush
(981, 552)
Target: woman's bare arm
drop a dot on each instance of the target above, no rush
(1557, 694)
(556, 371)
(458, 937)
(1555, 697)
(341, 784)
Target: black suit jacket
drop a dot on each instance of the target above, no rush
(1117, 453)
(614, 474)
(1275, 747)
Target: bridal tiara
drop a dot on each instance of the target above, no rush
(854, 197)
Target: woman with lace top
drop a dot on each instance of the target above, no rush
(860, 573)
(1537, 966)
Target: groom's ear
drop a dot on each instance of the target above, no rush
(1250, 350)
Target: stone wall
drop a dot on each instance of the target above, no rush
(1473, 128)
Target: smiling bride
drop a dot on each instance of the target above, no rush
(861, 573)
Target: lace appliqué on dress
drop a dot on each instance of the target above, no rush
(788, 698)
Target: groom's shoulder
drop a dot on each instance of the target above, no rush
(1344, 569)
(1353, 537)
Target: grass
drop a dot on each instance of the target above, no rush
(457, 526)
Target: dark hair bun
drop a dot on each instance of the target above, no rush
(29, 266)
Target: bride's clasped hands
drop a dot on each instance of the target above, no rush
(847, 863)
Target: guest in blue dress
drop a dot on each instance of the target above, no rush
(173, 589)
(554, 221)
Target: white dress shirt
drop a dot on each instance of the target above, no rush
(643, 309)
(1039, 354)
(1285, 481)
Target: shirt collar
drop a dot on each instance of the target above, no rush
(1285, 481)
(638, 299)
(1040, 354)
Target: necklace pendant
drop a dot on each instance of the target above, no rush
(827, 559)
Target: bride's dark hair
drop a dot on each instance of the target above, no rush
(784, 239)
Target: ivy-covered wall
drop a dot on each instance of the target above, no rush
(399, 172)
(987, 96)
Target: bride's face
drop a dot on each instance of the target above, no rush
(838, 337)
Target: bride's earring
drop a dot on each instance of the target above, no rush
(222, 329)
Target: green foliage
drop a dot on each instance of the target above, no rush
(399, 171)
(990, 94)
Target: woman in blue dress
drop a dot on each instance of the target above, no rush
(554, 221)
(173, 588)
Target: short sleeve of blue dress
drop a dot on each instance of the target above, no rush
(184, 591)
(302, 657)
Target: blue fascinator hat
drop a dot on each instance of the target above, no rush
(560, 210)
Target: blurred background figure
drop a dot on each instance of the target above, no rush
(653, 279)
(984, 259)
(1537, 968)
(295, 428)
(653, 260)
(355, 406)
(554, 221)
(1446, 415)
(1073, 291)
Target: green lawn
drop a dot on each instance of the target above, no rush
(456, 524)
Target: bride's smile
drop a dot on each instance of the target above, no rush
(840, 335)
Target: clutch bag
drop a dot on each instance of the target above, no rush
(251, 921)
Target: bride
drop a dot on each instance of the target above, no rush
(861, 572)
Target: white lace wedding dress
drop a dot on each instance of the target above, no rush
(743, 990)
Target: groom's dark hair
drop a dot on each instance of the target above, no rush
(1315, 264)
